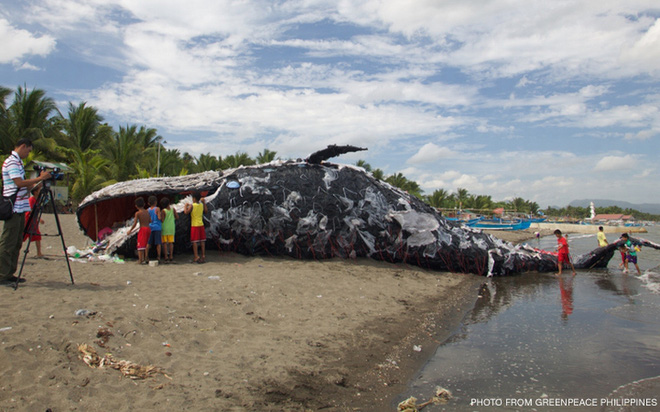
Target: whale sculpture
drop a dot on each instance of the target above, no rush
(313, 209)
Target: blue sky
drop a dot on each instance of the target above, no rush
(547, 100)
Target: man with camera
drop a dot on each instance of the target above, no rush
(13, 181)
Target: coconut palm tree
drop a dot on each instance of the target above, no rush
(462, 197)
(438, 198)
(378, 174)
(236, 160)
(266, 156)
(148, 137)
(208, 162)
(482, 202)
(518, 204)
(533, 207)
(83, 128)
(363, 164)
(171, 163)
(89, 172)
(400, 181)
(31, 115)
(124, 151)
(5, 141)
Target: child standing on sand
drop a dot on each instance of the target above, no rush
(141, 216)
(562, 249)
(155, 226)
(33, 231)
(196, 210)
(168, 215)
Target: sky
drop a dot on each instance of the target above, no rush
(550, 101)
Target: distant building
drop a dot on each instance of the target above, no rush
(613, 219)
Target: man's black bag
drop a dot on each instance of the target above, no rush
(7, 206)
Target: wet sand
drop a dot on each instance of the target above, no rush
(518, 236)
(237, 333)
(538, 336)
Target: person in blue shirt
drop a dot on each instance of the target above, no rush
(156, 226)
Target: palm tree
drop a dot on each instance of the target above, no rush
(88, 168)
(363, 164)
(437, 198)
(148, 137)
(518, 204)
(533, 207)
(171, 163)
(378, 174)
(236, 160)
(266, 156)
(124, 151)
(31, 115)
(397, 180)
(482, 202)
(400, 181)
(189, 162)
(83, 128)
(4, 92)
(5, 141)
(208, 162)
(462, 196)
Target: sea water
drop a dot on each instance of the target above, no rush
(542, 342)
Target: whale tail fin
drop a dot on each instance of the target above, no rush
(332, 151)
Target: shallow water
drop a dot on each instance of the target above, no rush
(536, 336)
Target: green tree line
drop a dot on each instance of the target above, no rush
(100, 155)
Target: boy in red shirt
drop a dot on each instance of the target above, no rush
(562, 250)
(142, 216)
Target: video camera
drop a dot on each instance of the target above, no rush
(55, 172)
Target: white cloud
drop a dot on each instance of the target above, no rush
(613, 163)
(641, 135)
(431, 152)
(644, 173)
(27, 66)
(551, 182)
(515, 37)
(645, 51)
(18, 44)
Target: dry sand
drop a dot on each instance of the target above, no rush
(238, 333)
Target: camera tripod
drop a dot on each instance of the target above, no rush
(45, 197)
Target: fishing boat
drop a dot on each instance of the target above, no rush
(499, 224)
(464, 221)
(538, 219)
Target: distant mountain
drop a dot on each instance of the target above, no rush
(653, 208)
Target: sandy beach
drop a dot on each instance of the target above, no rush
(237, 333)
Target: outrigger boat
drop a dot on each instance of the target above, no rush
(499, 224)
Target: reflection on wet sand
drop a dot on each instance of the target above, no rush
(607, 282)
(537, 334)
(566, 290)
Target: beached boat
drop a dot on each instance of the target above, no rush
(538, 219)
(498, 224)
(464, 221)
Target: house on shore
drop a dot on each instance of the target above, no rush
(613, 219)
